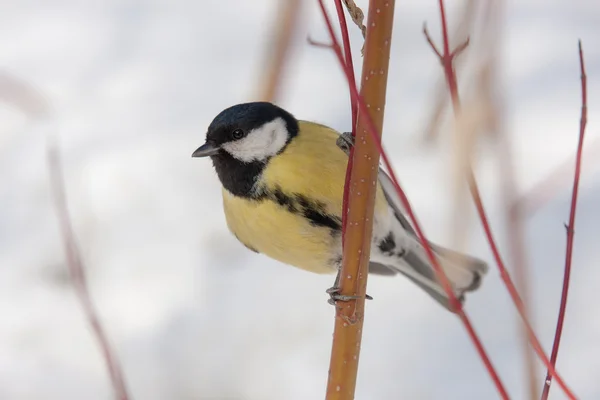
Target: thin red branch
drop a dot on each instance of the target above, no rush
(514, 294)
(570, 227)
(460, 49)
(350, 68)
(439, 271)
(430, 41)
(447, 61)
(77, 272)
(446, 41)
(348, 58)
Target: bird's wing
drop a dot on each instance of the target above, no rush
(394, 201)
(311, 166)
(381, 269)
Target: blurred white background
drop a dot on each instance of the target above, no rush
(193, 314)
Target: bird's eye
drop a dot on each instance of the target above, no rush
(238, 134)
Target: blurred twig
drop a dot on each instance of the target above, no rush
(493, 13)
(447, 60)
(371, 129)
(30, 101)
(466, 21)
(570, 227)
(535, 197)
(23, 96)
(467, 125)
(286, 22)
(77, 271)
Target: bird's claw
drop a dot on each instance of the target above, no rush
(334, 295)
(345, 142)
(334, 291)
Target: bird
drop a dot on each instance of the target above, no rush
(282, 186)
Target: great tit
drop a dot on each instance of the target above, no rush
(283, 184)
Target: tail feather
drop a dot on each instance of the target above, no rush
(464, 272)
(434, 290)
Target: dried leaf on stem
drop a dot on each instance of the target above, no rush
(357, 17)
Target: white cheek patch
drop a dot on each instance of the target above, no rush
(260, 143)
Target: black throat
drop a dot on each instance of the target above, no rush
(236, 176)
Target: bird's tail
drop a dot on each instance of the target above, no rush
(464, 272)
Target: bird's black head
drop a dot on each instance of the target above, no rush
(241, 139)
(249, 132)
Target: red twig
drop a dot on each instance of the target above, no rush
(513, 291)
(447, 59)
(350, 68)
(439, 271)
(570, 227)
(348, 57)
(77, 272)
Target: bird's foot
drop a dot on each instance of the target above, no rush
(334, 295)
(345, 142)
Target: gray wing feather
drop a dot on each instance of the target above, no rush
(381, 269)
(419, 271)
(441, 298)
(390, 195)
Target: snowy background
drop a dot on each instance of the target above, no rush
(192, 313)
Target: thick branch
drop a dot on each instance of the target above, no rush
(349, 315)
(440, 274)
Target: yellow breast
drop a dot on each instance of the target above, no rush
(312, 168)
(271, 229)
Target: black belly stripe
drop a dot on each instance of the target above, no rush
(316, 214)
(313, 210)
(284, 200)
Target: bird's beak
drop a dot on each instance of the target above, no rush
(207, 149)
